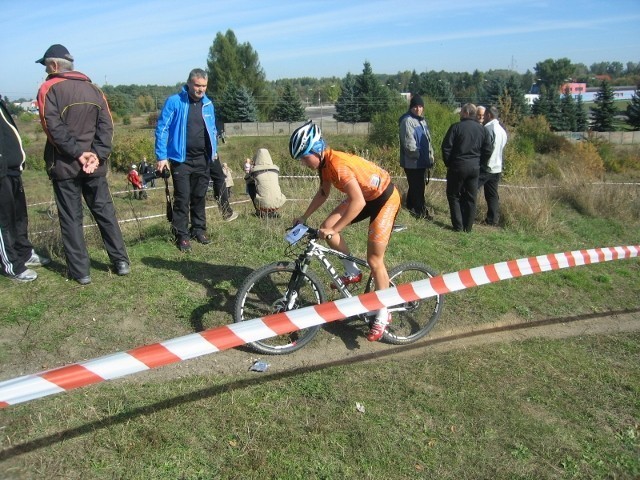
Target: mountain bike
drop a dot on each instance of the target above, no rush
(290, 285)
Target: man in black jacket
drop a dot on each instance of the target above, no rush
(466, 144)
(76, 118)
(16, 251)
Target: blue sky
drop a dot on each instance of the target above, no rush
(159, 42)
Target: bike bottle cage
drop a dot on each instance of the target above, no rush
(296, 233)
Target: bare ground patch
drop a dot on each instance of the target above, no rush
(345, 343)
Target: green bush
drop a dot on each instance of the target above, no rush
(552, 144)
(384, 128)
(623, 159)
(518, 156)
(129, 146)
(27, 117)
(35, 162)
(538, 131)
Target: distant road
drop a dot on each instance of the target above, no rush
(325, 113)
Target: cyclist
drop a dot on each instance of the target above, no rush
(369, 194)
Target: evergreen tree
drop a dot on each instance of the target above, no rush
(434, 85)
(289, 107)
(236, 105)
(569, 113)
(444, 94)
(519, 107)
(230, 62)
(604, 109)
(414, 83)
(478, 93)
(582, 123)
(548, 105)
(371, 95)
(347, 109)
(495, 89)
(509, 97)
(633, 111)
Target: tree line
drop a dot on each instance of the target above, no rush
(237, 84)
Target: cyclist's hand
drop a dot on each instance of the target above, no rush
(326, 233)
(298, 221)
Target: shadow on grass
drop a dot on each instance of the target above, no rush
(125, 417)
(60, 267)
(214, 278)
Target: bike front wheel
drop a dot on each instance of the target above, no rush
(267, 291)
(412, 320)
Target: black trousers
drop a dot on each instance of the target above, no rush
(489, 183)
(220, 190)
(95, 191)
(252, 191)
(462, 188)
(190, 183)
(415, 194)
(15, 247)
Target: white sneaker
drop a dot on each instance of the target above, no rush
(231, 217)
(26, 276)
(37, 260)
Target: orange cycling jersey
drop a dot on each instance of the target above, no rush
(340, 168)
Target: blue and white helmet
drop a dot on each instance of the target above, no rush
(306, 139)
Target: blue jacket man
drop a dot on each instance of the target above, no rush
(171, 131)
(186, 143)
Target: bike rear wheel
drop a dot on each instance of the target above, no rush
(264, 292)
(412, 320)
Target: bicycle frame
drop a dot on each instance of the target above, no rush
(314, 249)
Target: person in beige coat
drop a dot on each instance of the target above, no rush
(263, 186)
(228, 178)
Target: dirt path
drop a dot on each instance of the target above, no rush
(343, 344)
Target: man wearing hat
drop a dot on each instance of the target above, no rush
(75, 116)
(414, 155)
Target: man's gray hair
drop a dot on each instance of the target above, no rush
(64, 65)
(197, 73)
(494, 112)
(468, 110)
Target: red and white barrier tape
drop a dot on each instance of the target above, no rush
(30, 387)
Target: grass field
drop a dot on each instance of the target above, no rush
(530, 408)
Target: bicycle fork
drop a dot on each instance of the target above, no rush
(295, 282)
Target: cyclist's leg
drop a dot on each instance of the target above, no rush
(337, 242)
(379, 233)
(375, 259)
